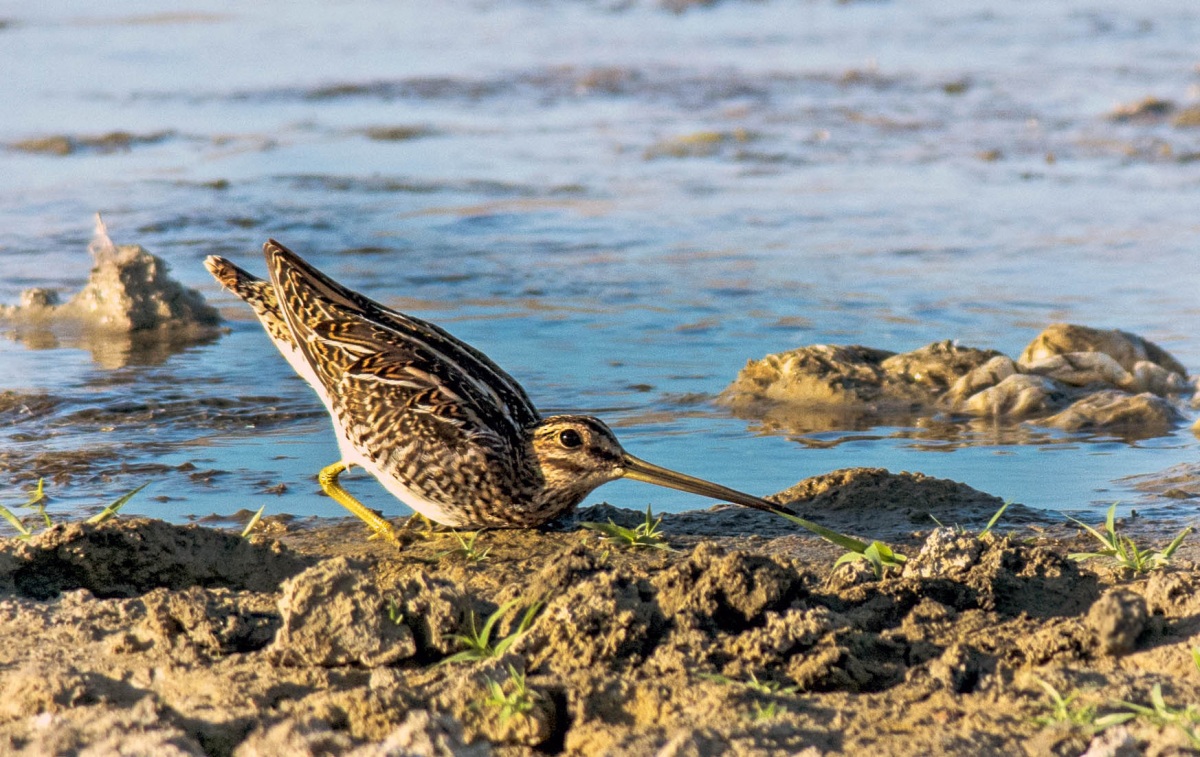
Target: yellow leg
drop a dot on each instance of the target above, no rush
(328, 478)
(425, 532)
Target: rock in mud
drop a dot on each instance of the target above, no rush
(1017, 396)
(946, 553)
(1123, 347)
(979, 378)
(307, 737)
(1117, 619)
(433, 609)
(938, 366)
(141, 730)
(129, 290)
(334, 614)
(821, 374)
(423, 734)
(1110, 409)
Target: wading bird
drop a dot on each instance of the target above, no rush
(441, 426)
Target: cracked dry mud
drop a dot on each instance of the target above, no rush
(141, 637)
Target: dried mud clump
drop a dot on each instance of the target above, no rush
(1071, 377)
(333, 614)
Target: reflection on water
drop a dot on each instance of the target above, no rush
(109, 349)
(620, 204)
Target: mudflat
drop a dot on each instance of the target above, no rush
(736, 635)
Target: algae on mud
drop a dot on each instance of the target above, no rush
(136, 635)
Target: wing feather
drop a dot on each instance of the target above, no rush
(358, 347)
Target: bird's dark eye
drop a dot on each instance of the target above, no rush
(570, 439)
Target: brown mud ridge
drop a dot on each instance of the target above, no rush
(141, 637)
(1070, 377)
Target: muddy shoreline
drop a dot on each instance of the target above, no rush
(141, 637)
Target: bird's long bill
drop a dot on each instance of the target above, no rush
(640, 470)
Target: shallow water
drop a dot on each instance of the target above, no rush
(618, 203)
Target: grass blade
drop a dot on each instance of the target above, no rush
(995, 518)
(15, 521)
(253, 522)
(828, 534)
(112, 509)
(1174, 545)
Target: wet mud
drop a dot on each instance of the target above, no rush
(137, 636)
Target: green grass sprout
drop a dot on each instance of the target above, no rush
(518, 702)
(995, 518)
(647, 534)
(477, 642)
(253, 522)
(22, 531)
(767, 711)
(878, 554)
(467, 549)
(986, 529)
(115, 507)
(1122, 550)
(37, 500)
(1084, 716)
(1187, 719)
(395, 611)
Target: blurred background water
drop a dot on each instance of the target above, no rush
(619, 202)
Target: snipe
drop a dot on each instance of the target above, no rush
(441, 426)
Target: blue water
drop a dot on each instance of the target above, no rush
(891, 174)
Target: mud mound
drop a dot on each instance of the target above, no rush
(886, 505)
(130, 557)
(1070, 377)
(129, 289)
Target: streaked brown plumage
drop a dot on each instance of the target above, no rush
(441, 426)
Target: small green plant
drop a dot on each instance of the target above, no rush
(519, 701)
(467, 549)
(1196, 657)
(477, 642)
(253, 522)
(762, 687)
(1121, 549)
(1084, 716)
(115, 507)
(995, 518)
(395, 611)
(769, 687)
(1187, 719)
(879, 555)
(766, 711)
(647, 534)
(37, 500)
(986, 529)
(762, 710)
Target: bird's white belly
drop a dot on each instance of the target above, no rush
(435, 511)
